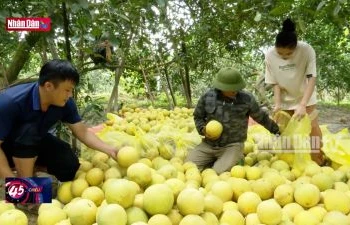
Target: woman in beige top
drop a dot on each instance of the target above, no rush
(291, 69)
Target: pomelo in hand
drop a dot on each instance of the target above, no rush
(127, 155)
(213, 129)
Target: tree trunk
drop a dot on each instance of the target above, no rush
(163, 85)
(21, 56)
(113, 100)
(43, 53)
(147, 86)
(186, 76)
(52, 48)
(169, 86)
(184, 85)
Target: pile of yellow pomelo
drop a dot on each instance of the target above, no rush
(156, 187)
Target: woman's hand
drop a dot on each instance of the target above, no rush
(300, 112)
(276, 108)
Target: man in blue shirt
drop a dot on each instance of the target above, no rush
(28, 111)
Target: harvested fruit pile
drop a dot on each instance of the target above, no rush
(150, 184)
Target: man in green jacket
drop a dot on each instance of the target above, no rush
(229, 104)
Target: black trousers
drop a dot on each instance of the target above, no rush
(54, 154)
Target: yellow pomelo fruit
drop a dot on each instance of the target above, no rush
(225, 176)
(112, 172)
(99, 157)
(80, 175)
(253, 173)
(175, 216)
(159, 219)
(318, 211)
(158, 162)
(269, 212)
(158, 199)
(301, 181)
(305, 218)
(248, 202)
(176, 185)
(232, 217)
(230, 205)
(139, 173)
(248, 147)
(193, 174)
(178, 166)
(167, 171)
(311, 169)
(157, 179)
(78, 186)
(192, 220)
(323, 181)
(45, 206)
(263, 188)
(223, 190)
(210, 218)
(95, 194)
(64, 222)
(280, 165)
(107, 182)
(239, 186)
(120, 191)
(64, 193)
(307, 195)
(238, 171)
(82, 212)
(208, 172)
(111, 214)
(327, 170)
(146, 161)
(336, 217)
(94, 176)
(85, 165)
(284, 194)
(209, 179)
(51, 216)
(138, 201)
(136, 214)
(112, 162)
(213, 204)
(127, 155)
(103, 166)
(287, 174)
(336, 200)
(341, 186)
(274, 178)
(13, 217)
(190, 201)
(252, 219)
(5, 206)
(187, 165)
(213, 129)
(292, 209)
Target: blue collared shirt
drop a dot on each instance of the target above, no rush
(21, 118)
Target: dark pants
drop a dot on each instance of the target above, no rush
(54, 154)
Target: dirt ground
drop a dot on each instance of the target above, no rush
(335, 117)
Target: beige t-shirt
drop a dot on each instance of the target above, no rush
(291, 74)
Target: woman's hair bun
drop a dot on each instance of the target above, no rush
(288, 26)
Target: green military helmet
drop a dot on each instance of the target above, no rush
(228, 79)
